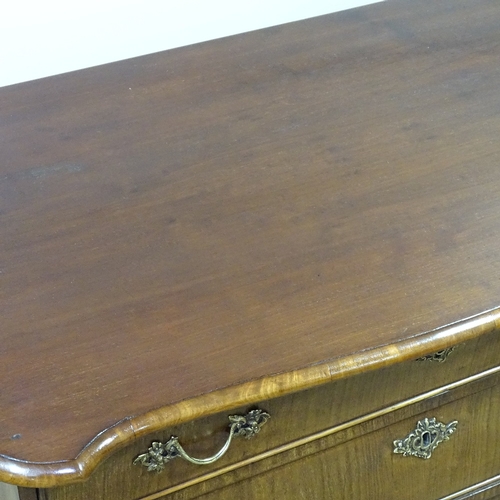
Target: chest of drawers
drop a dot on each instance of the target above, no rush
(291, 228)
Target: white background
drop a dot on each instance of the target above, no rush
(45, 37)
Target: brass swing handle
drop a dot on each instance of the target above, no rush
(159, 454)
(425, 438)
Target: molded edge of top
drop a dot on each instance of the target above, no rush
(45, 475)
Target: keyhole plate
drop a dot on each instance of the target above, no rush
(425, 438)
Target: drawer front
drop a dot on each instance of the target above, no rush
(292, 417)
(367, 468)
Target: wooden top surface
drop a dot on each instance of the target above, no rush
(202, 218)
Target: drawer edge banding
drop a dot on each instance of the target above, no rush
(475, 489)
(325, 433)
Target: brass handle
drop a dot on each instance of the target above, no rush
(160, 454)
(425, 438)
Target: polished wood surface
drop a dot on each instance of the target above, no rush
(191, 231)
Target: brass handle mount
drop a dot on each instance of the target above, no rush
(159, 454)
(425, 438)
(440, 356)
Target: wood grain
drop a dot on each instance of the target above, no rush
(373, 471)
(239, 477)
(192, 231)
(293, 417)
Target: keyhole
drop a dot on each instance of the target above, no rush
(426, 439)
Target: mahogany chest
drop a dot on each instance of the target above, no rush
(265, 266)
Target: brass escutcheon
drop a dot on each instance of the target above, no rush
(425, 438)
(439, 356)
